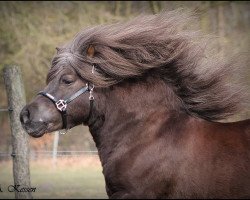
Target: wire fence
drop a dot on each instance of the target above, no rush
(50, 153)
(5, 109)
(6, 155)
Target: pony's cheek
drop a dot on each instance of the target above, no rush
(78, 110)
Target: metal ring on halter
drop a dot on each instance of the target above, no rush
(91, 97)
(61, 105)
(62, 131)
(90, 87)
(93, 69)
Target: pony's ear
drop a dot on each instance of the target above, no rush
(57, 49)
(90, 51)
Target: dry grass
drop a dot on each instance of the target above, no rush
(72, 177)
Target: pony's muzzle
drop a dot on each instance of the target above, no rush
(34, 129)
(25, 116)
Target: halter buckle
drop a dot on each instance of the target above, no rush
(61, 105)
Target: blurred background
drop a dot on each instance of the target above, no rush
(29, 33)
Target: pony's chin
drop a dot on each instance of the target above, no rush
(36, 134)
(36, 130)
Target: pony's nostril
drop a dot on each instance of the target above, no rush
(25, 116)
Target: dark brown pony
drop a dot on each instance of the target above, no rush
(156, 99)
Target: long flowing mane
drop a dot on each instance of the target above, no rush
(155, 45)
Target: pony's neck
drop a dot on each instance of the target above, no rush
(132, 112)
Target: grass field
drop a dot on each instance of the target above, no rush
(77, 177)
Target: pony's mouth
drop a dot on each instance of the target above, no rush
(36, 129)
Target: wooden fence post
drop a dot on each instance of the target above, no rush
(20, 146)
(55, 146)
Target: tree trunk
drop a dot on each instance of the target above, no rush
(204, 19)
(117, 8)
(20, 147)
(221, 29)
(128, 8)
(155, 6)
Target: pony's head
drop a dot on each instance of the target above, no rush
(64, 103)
(158, 46)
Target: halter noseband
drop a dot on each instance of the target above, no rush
(61, 104)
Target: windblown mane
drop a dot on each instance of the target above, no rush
(157, 45)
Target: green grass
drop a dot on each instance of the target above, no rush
(68, 180)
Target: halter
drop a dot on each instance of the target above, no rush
(62, 104)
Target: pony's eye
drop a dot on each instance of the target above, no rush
(67, 81)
